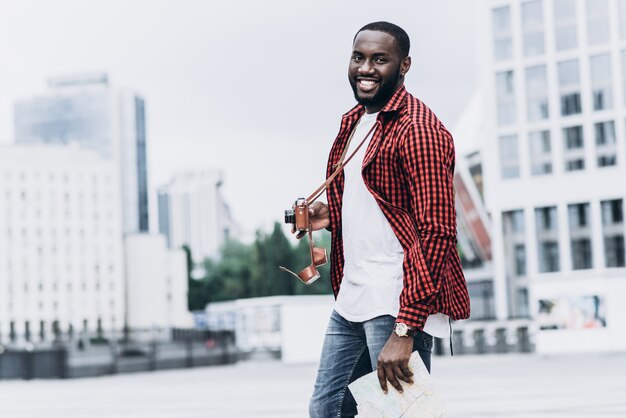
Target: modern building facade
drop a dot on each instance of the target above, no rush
(61, 243)
(88, 112)
(554, 167)
(193, 212)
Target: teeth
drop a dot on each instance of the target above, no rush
(367, 82)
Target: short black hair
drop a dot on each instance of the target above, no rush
(399, 34)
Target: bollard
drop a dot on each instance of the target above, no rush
(523, 340)
(479, 341)
(501, 344)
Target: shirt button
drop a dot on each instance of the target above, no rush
(421, 318)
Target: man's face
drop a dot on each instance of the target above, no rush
(376, 69)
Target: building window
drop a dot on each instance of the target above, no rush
(502, 39)
(547, 239)
(581, 253)
(569, 87)
(580, 235)
(513, 230)
(505, 92)
(532, 27)
(623, 55)
(574, 152)
(597, 21)
(481, 295)
(613, 232)
(566, 35)
(509, 156)
(536, 93)
(548, 256)
(601, 82)
(621, 4)
(540, 153)
(27, 333)
(606, 148)
(12, 331)
(523, 310)
(520, 260)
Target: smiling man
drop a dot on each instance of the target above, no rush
(395, 271)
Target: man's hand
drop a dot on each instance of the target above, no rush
(393, 362)
(319, 215)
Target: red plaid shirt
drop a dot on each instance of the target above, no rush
(408, 168)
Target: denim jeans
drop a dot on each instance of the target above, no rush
(350, 351)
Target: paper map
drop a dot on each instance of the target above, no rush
(419, 400)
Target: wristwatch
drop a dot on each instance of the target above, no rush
(403, 330)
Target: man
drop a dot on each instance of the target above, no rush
(395, 271)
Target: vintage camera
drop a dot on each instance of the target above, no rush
(298, 215)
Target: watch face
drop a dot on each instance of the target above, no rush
(401, 329)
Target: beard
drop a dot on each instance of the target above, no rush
(386, 89)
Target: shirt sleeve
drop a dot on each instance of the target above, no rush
(427, 157)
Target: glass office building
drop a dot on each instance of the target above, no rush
(87, 112)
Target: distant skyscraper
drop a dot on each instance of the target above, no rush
(87, 112)
(193, 212)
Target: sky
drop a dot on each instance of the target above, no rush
(253, 88)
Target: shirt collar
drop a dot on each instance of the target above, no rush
(396, 101)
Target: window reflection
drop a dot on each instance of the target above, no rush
(509, 156)
(601, 82)
(505, 97)
(574, 152)
(536, 93)
(569, 87)
(532, 27)
(540, 153)
(580, 235)
(597, 13)
(501, 18)
(606, 148)
(566, 36)
(547, 239)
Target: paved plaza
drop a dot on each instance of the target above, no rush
(472, 386)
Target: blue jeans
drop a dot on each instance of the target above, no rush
(350, 351)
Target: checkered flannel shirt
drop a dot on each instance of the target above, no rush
(408, 168)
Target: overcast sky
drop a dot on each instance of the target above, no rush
(254, 88)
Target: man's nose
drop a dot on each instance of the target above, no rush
(366, 68)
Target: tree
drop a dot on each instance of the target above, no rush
(243, 271)
(196, 294)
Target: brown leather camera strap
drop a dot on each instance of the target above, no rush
(318, 192)
(318, 254)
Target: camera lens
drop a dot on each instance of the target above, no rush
(290, 216)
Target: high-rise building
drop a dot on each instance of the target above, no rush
(554, 167)
(193, 212)
(88, 112)
(61, 243)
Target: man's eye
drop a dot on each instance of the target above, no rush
(380, 60)
(357, 58)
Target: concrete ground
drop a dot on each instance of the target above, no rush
(472, 386)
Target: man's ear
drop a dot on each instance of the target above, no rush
(405, 65)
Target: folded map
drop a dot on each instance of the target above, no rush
(419, 400)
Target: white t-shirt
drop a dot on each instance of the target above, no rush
(372, 273)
